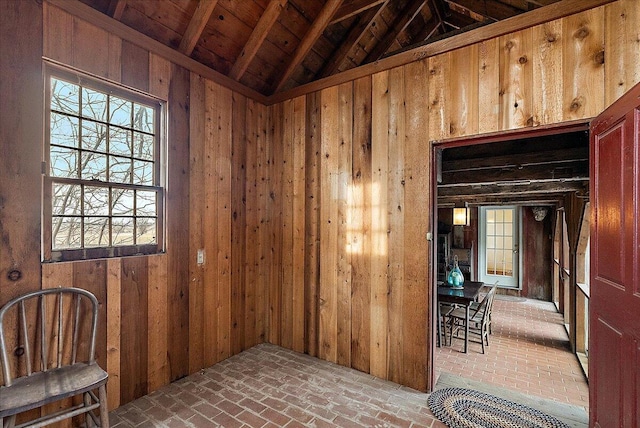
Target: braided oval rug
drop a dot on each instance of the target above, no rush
(466, 408)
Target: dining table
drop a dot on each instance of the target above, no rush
(463, 296)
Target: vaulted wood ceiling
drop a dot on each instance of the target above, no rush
(274, 45)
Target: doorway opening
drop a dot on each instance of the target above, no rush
(515, 185)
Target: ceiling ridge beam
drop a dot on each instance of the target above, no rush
(199, 20)
(313, 34)
(401, 22)
(354, 7)
(352, 39)
(257, 37)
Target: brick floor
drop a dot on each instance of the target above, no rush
(529, 351)
(268, 386)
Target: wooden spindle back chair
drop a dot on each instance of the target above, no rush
(60, 325)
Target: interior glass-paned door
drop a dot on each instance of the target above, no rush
(498, 256)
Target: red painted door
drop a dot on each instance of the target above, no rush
(614, 348)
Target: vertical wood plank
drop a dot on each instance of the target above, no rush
(239, 141)
(488, 86)
(178, 210)
(114, 321)
(516, 80)
(463, 87)
(58, 34)
(583, 65)
(395, 182)
(379, 223)
(439, 109)
(252, 226)
(416, 329)
(344, 231)
(210, 241)
(622, 48)
(159, 76)
(134, 357)
(90, 48)
(360, 220)
(21, 87)
(329, 182)
(299, 201)
(274, 152)
(264, 197)
(158, 372)
(284, 165)
(223, 216)
(313, 150)
(547, 66)
(197, 220)
(135, 66)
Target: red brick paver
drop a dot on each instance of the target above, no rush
(529, 352)
(268, 386)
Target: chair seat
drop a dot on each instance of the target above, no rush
(460, 313)
(30, 392)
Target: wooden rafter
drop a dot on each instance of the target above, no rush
(258, 35)
(315, 31)
(488, 8)
(469, 12)
(353, 38)
(196, 25)
(429, 29)
(354, 7)
(116, 8)
(401, 22)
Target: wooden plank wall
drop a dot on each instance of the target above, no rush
(312, 213)
(162, 316)
(367, 263)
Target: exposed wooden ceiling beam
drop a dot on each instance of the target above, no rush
(569, 170)
(196, 25)
(512, 189)
(438, 11)
(116, 8)
(479, 17)
(528, 199)
(315, 31)
(401, 22)
(259, 33)
(354, 7)
(355, 35)
(491, 9)
(537, 157)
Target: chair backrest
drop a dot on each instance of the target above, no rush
(59, 323)
(483, 310)
(491, 296)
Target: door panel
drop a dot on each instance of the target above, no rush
(498, 246)
(614, 360)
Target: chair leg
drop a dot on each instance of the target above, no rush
(88, 420)
(104, 411)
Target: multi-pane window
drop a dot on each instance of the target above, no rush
(103, 190)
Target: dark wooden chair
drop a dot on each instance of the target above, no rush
(479, 316)
(60, 324)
